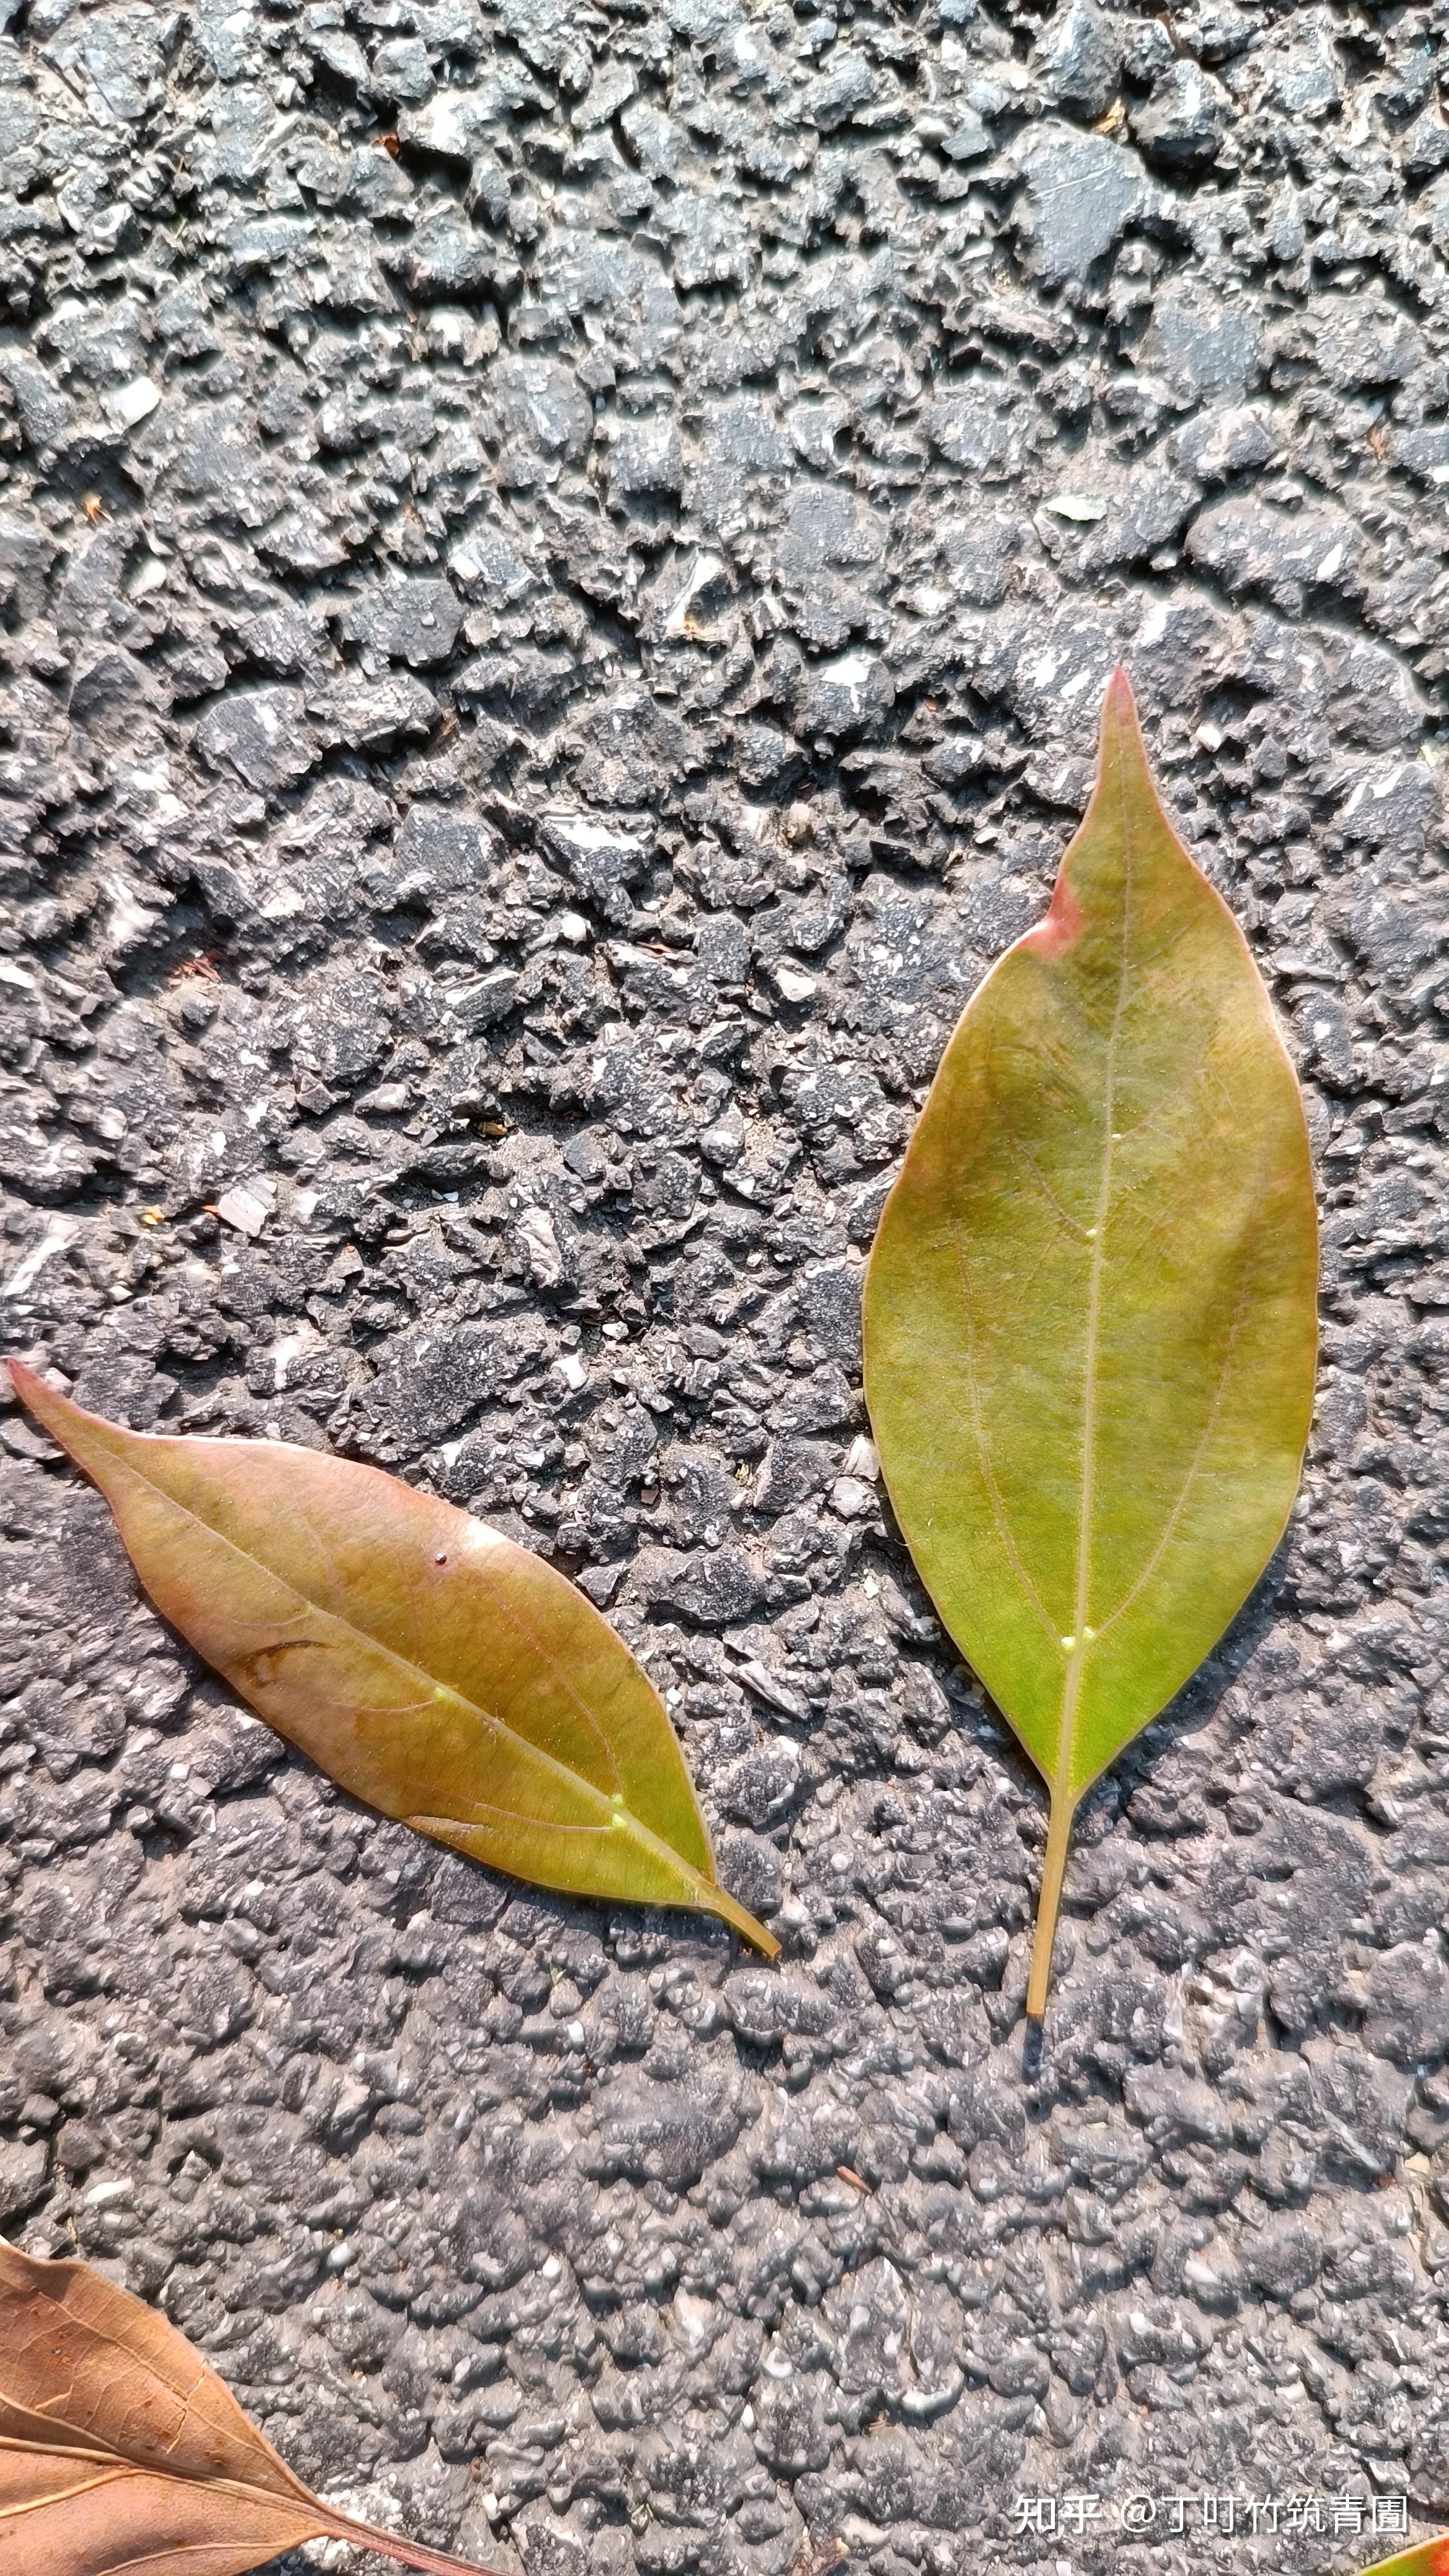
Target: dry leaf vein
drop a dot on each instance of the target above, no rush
(56, 2495)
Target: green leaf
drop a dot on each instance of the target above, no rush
(1089, 1312)
(1430, 2558)
(432, 1668)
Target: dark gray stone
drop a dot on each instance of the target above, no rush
(1080, 54)
(1284, 555)
(1185, 120)
(1082, 191)
(1207, 348)
(261, 735)
(415, 622)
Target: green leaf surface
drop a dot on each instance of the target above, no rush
(1430, 2558)
(1089, 1312)
(429, 1666)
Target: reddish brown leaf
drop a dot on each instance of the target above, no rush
(121, 2454)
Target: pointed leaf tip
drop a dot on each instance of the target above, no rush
(1092, 1477)
(1120, 740)
(433, 1669)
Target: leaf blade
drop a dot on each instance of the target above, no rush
(1426, 2558)
(432, 1668)
(179, 2414)
(66, 2530)
(1089, 1309)
(166, 2475)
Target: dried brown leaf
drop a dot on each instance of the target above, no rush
(121, 2454)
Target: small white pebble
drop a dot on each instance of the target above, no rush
(103, 2195)
(130, 403)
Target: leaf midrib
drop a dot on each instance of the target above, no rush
(1077, 1653)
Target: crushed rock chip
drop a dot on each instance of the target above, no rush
(247, 1205)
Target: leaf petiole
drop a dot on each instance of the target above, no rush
(1059, 1834)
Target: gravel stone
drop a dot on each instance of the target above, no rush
(1185, 119)
(557, 567)
(1080, 54)
(1082, 193)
